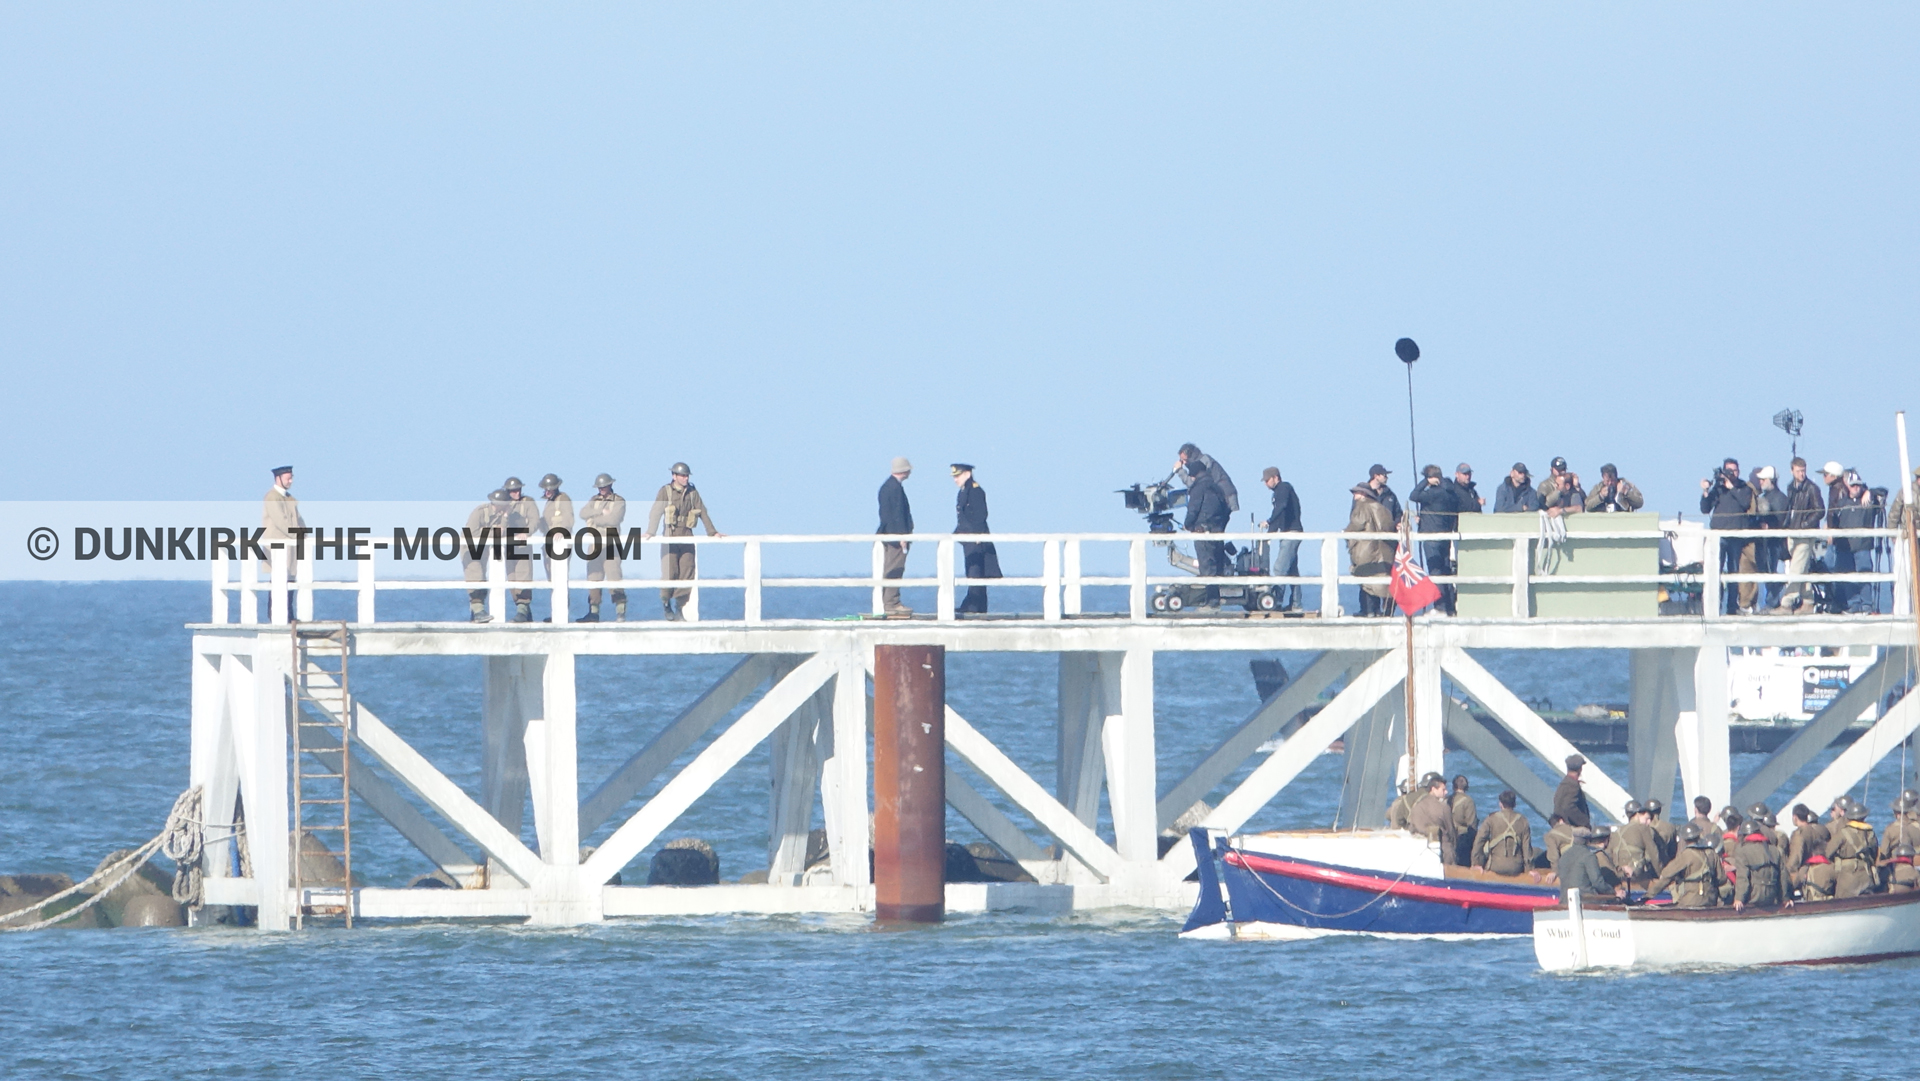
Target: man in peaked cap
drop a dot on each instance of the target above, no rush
(1569, 800)
(279, 517)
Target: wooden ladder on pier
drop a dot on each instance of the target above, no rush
(322, 729)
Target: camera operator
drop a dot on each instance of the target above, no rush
(1729, 502)
(1613, 495)
(1211, 501)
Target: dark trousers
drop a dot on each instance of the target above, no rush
(894, 566)
(1439, 557)
(1730, 549)
(982, 561)
(1212, 556)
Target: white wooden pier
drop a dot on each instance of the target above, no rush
(814, 708)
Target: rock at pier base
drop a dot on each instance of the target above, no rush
(685, 861)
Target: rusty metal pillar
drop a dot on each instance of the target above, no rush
(910, 783)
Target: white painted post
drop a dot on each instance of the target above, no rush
(1711, 704)
(277, 586)
(943, 572)
(266, 780)
(1329, 577)
(1577, 926)
(1711, 603)
(879, 570)
(1137, 579)
(1050, 572)
(219, 589)
(1522, 571)
(845, 798)
(365, 592)
(1127, 738)
(249, 597)
(563, 897)
(497, 586)
(691, 609)
(750, 564)
(1070, 603)
(210, 759)
(303, 578)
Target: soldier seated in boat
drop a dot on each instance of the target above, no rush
(1703, 817)
(1807, 856)
(1732, 827)
(1635, 848)
(1760, 816)
(1903, 830)
(1663, 829)
(1432, 818)
(1559, 836)
(1466, 819)
(1759, 878)
(1852, 848)
(1583, 866)
(1504, 843)
(1901, 877)
(1400, 811)
(1694, 873)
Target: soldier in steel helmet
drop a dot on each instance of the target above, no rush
(1759, 874)
(521, 515)
(1853, 848)
(1663, 828)
(480, 545)
(1693, 874)
(677, 509)
(1903, 830)
(1635, 848)
(603, 512)
(1582, 867)
(1901, 877)
(1807, 865)
(556, 516)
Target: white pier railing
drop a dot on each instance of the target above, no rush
(291, 582)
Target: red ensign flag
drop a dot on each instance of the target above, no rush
(1411, 588)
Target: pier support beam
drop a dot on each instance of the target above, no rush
(1126, 682)
(511, 697)
(1701, 731)
(909, 782)
(261, 743)
(797, 752)
(1429, 713)
(843, 795)
(1079, 770)
(1653, 709)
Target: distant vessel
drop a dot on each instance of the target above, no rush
(1308, 884)
(1852, 930)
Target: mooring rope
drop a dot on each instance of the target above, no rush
(181, 840)
(1553, 532)
(1374, 900)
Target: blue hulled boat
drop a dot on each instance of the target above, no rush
(1372, 882)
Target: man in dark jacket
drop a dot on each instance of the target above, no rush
(1729, 503)
(1377, 480)
(970, 516)
(1863, 511)
(1208, 511)
(1569, 800)
(1440, 508)
(1471, 501)
(1283, 557)
(1580, 867)
(1516, 494)
(896, 519)
(1839, 549)
(1805, 510)
(1764, 553)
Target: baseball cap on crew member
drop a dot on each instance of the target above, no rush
(1765, 472)
(1378, 470)
(1463, 468)
(901, 465)
(1271, 472)
(1521, 468)
(1833, 469)
(1559, 463)
(1575, 761)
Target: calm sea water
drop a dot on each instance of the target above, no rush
(93, 696)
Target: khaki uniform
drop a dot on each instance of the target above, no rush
(1709, 831)
(1807, 863)
(1853, 850)
(1626, 495)
(279, 516)
(1371, 557)
(1504, 843)
(1556, 841)
(1902, 830)
(1400, 811)
(487, 517)
(1759, 877)
(555, 514)
(1466, 819)
(1635, 850)
(604, 513)
(1694, 877)
(1432, 818)
(675, 512)
(1669, 840)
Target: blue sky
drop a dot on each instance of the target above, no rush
(413, 249)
